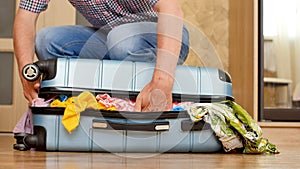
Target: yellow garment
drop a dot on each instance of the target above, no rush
(58, 103)
(103, 107)
(75, 105)
(73, 109)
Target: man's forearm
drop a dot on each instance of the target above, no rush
(24, 36)
(169, 36)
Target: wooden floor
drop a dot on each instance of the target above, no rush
(287, 140)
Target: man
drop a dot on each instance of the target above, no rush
(137, 30)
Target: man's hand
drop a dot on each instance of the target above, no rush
(156, 95)
(30, 90)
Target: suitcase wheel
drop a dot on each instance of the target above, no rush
(27, 141)
(20, 147)
(20, 142)
(31, 72)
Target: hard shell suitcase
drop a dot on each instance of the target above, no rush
(113, 131)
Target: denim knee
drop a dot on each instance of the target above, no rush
(52, 42)
(42, 41)
(70, 42)
(134, 48)
(137, 42)
(185, 46)
(133, 41)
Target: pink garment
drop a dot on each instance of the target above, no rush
(25, 124)
(106, 100)
(40, 102)
(124, 104)
(128, 105)
(120, 104)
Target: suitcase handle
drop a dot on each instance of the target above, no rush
(135, 126)
(32, 72)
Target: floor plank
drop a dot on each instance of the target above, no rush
(287, 140)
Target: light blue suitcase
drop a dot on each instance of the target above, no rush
(106, 131)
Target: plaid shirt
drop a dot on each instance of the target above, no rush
(105, 14)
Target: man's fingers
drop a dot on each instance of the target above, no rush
(37, 86)
(138, 104)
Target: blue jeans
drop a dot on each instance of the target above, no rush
(132, 41)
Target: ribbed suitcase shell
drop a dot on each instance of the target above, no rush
(115, 77)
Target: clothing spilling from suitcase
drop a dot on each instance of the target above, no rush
(104, 122)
